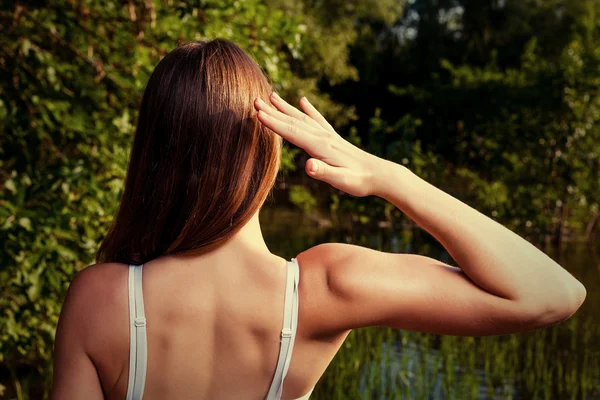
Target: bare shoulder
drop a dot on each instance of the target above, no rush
(320, 267)
(331, 254)
(98, 284)
(96, 299)
(337, 264)
(97, 275)
(92, 333)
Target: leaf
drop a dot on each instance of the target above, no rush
(25, 223)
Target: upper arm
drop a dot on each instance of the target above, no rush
(75, 376)
(356, 287)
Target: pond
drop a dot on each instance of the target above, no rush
(559, 362)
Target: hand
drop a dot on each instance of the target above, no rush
(335, 160)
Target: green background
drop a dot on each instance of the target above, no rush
(496, 102)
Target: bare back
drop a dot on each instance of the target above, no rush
(214, 324)
(213, 329)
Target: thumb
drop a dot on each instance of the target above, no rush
(320, 170)
(314, 167)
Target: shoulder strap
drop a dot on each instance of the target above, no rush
(137, 335)
(288, 333)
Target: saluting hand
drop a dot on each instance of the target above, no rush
(335, 160)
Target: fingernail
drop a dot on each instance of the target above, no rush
(260, 101)
(313, 167)
(276, 96)
(263, 114)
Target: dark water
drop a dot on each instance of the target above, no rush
(559, 362)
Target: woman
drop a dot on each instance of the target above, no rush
(218, 315)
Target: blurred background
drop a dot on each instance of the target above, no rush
(496, 102)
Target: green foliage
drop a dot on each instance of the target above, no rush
(483, 99)
(72, 75)
(540, 136)
(287, 159)
(302, 197)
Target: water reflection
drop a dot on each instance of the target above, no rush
(560, 362)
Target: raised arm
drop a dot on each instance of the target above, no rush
(491, 255)
(504, 284)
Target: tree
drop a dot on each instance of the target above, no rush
(71, 78)
(486, 100)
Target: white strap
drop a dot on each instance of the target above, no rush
(288, 333)
(138, 341)
(138, 351)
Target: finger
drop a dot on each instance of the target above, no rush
(323, 171)
(314, 114)
(292, 111)
(261, 104)
(290, 132)
(275, 113)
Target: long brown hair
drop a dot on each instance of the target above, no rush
(201, 163)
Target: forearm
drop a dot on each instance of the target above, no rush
(492, 256)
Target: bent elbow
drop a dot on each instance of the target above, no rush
(573, 300)
(560, 308)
